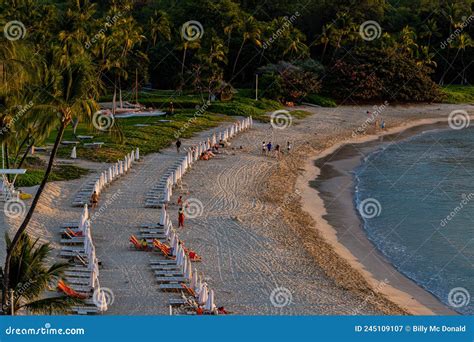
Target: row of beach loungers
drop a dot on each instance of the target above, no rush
(120, 168)
(161, 192)
(81, 280)
(174, 272)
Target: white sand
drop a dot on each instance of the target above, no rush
(249, 246)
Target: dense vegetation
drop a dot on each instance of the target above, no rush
(202, 45)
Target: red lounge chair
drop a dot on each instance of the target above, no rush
(137, 244)
(69, 291)
(189, 290)
(69, 231)
(162, 247)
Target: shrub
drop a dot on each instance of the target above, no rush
(320, 100)
(287, 82)
(378, 74)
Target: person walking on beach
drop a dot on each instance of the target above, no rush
(178, 145)
(94, 200)
(269, 147)
(288, 147)
(181, 217)
(382, 124)
(277, 151)
(264, 147)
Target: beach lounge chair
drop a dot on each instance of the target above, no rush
(188, 290)
(166, 251)
(63, 287)
(138, 245)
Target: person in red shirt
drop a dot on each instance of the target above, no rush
(181, 218)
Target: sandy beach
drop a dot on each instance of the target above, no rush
(262, 231)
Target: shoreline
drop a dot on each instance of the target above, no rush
(399, 289)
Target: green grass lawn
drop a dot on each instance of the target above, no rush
(36, 168)
(126, 135)
(459, 94)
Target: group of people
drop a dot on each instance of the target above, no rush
(268, 148)
(377, 122)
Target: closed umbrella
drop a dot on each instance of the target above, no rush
(210, 301)
(163, 216)
(73, 153)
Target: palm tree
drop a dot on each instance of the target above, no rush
(30, 278)
(68, 89)
(250, 32)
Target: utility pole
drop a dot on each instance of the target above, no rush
(12, 306)
(256, 87)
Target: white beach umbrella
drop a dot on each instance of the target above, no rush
(203, 294)
(73, 153)
(210, 301)
(163, 216)
(132, 156)
(175, 177)
(116, 165)
(179, 260)
(194, 280)
(85, 211)
(137, 154)
(99, 299)
(188, 269)
(125, 164)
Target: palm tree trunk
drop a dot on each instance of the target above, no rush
(28, 149)
(26, 221)
(237, 57)
(7, 162)
(20, 147)
(182, 64)
(114, 99)
(120, 93)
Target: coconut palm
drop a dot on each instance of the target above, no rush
(67, 85)
(30, 278)
(250, 32)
